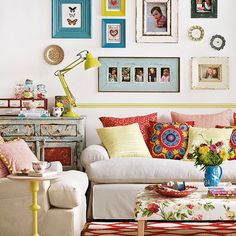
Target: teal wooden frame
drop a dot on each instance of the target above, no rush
(84, 31)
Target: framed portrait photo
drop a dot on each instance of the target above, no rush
(210, 73)
(113, 7)
(113, 33)
(139, 74)
(71, 18)
(203, 8)
(157, 21)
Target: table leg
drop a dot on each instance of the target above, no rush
(35, 207)
(141, 227)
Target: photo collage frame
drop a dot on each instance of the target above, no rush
(139, 74)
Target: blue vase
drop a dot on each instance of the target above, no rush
(212, 176)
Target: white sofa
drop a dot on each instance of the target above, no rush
(115, 182)
(62, 201)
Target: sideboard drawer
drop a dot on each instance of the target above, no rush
(58, 130)
(17, 130)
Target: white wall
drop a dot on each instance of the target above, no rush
(25, 31)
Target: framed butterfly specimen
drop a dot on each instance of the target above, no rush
(71, 18)
(113, 33)
(113, 7)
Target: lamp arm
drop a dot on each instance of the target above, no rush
(68, 93)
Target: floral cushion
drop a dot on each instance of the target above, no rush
(143, 122)
(168, 140)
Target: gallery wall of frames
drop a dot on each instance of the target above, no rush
(150, 50)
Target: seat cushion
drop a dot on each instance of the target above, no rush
(150, 170)
(68, 190)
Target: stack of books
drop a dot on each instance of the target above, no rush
(221, 192)
(44, 174)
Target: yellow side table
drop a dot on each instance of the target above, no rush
(34, 185)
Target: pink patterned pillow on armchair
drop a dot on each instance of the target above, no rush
(16, 155)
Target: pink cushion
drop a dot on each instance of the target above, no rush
(143, 122)
(204, 120)
(16, 155)
(3, 170)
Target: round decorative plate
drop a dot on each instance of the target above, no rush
(196, 33)
(217, 42)
(170, 192)
(53, 54)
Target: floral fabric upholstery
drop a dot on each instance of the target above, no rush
(195, 207)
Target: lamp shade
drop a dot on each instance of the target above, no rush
(91, 62)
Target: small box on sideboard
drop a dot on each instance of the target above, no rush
(12, 106)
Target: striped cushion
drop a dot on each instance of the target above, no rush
(204, 120)
(124, 141)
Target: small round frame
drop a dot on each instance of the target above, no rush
(196, 33)
(217, 42)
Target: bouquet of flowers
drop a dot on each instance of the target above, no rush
(210, 154)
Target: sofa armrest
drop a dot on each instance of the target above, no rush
(92, 154)
(55, 166)
(68, 190)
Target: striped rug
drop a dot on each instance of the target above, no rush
(161, 229)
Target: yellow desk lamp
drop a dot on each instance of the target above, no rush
(90, 62)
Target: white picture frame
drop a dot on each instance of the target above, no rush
(151, 28)
(210, 73)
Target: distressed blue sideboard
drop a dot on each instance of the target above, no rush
(51, 139)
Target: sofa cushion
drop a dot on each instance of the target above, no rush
(3, 170)
(198, 136)
(16, 155)
(124, 141)
(168, 140)
(204, 120)
(151, 170)
(143, 122)
(68, 190)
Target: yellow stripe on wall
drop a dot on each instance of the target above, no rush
(157, 105)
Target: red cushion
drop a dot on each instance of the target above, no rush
(168, 140)
(143, 122)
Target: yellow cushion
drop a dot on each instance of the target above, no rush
(198, 136)
(124, 141)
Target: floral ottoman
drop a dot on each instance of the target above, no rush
(195, 207)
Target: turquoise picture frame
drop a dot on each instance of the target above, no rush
(139, 74)
(71, 18)
(205, 9)
(113, 33)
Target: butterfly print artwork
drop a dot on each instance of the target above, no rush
(72, 15)
(72, 22)
(72, 9)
